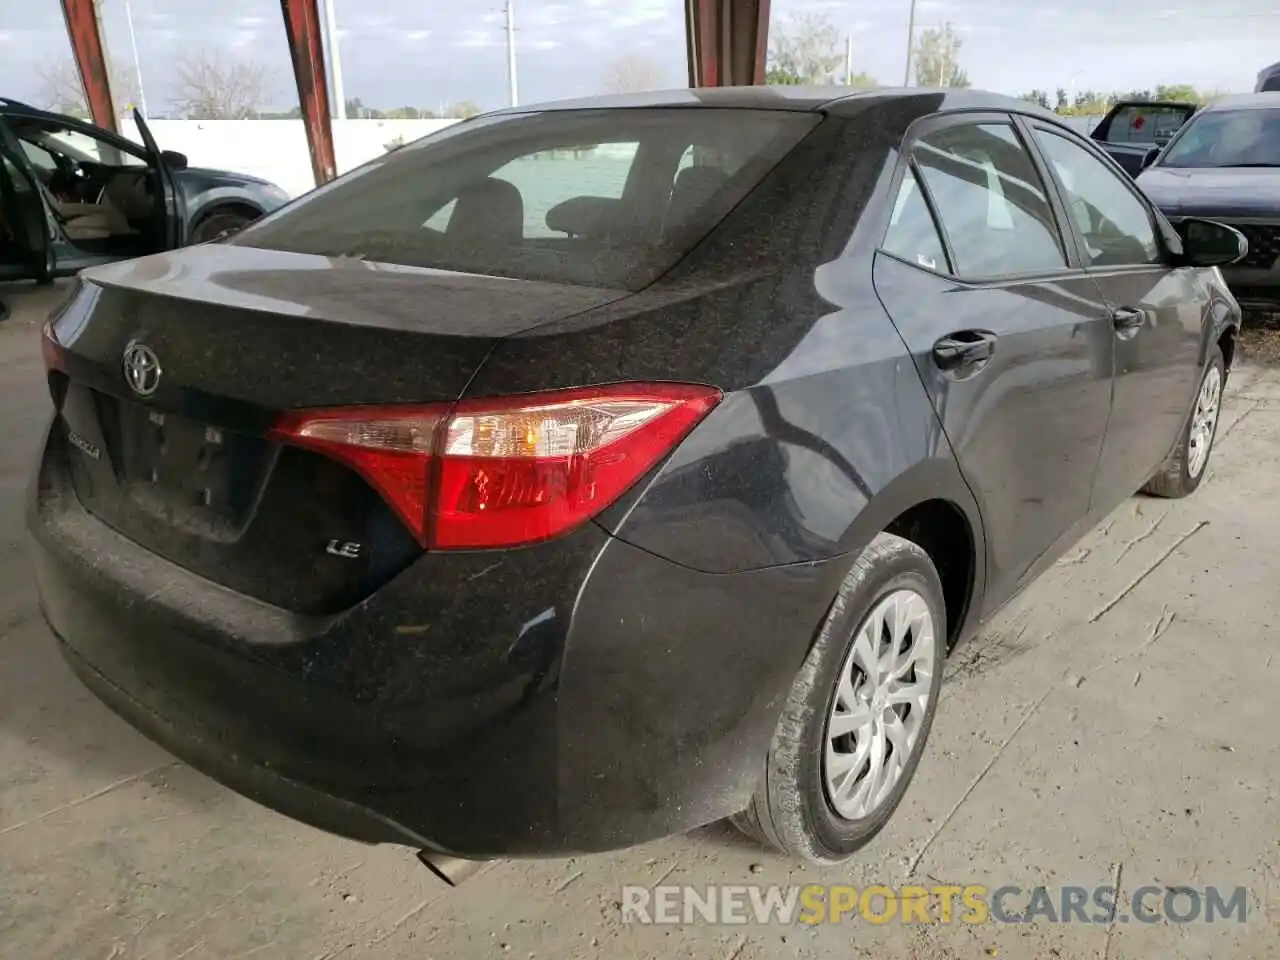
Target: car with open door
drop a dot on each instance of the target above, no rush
(73, 195)
(1132, 128)
(583, 473)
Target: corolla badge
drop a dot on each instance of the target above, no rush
(141, 368)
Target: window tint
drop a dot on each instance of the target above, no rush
(1228, 138)
(1115, 224)
(40, 158)
(991, 201)
(912, 234)
(610, 198)
(73, 144)
(1137, 123)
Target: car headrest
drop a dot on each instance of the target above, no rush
(693, 187)
(583, 216)
(488, 211)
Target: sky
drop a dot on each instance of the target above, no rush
(428, 53)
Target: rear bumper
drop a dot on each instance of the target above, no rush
(581, 695)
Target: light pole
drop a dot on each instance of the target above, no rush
(512, 80)
(911, 36)
(137, 64)
(339, 90)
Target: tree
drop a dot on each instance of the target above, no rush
(937, 58)
(1039, 97)
(631, 74)
(807, 50)
(408, 113)
(461, 110)
(1091, 103)
(62, 92)
(210, 88)
(356, 110)
(1179, 92)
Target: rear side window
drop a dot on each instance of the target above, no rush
(991, 200)
(912, 234)
(610, 198)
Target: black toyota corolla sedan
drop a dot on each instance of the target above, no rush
(584, 473)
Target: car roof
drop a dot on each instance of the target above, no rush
(793, 98)
(1245, 101)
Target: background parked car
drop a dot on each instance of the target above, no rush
(73, 195)
(1133, 128)
(1225, 164)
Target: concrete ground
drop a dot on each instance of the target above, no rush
(1117, 720)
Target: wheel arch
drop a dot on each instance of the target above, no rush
(932, 506)
(211, 206)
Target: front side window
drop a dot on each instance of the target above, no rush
(40, 158)
(610, 198)
(912, 235)
(74, 144)
(1228, 138)
(1115, 224)
(990, 199)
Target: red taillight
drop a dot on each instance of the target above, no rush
(508, 471)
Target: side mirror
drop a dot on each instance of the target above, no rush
(1207, 243)
(1149, 157)
(173, 159)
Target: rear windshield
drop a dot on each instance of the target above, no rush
(608, 198)
(1228, 138)
(1145, 123)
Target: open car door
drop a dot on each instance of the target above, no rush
(170, 217)
(1134, 129)
(26, 222)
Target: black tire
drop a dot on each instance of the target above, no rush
(218, 221)
(1174, 479)
(790, 811)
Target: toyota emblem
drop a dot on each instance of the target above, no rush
(141, 368)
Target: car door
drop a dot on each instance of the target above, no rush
(1009, 334)
(27, 218)
(169, 214)
(1158, 312)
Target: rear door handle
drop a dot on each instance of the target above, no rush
(1127, 318)
(964, 349)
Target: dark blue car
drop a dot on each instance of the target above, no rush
(73, 195)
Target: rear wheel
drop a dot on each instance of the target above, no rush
(859, 713)
(218, 222)
(1182, 472)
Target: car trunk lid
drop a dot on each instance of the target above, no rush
(172, 369)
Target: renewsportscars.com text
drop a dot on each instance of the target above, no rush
(941, 903)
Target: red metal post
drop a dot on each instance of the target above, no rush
(306, 49)
(85, 31)
(727, 41)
